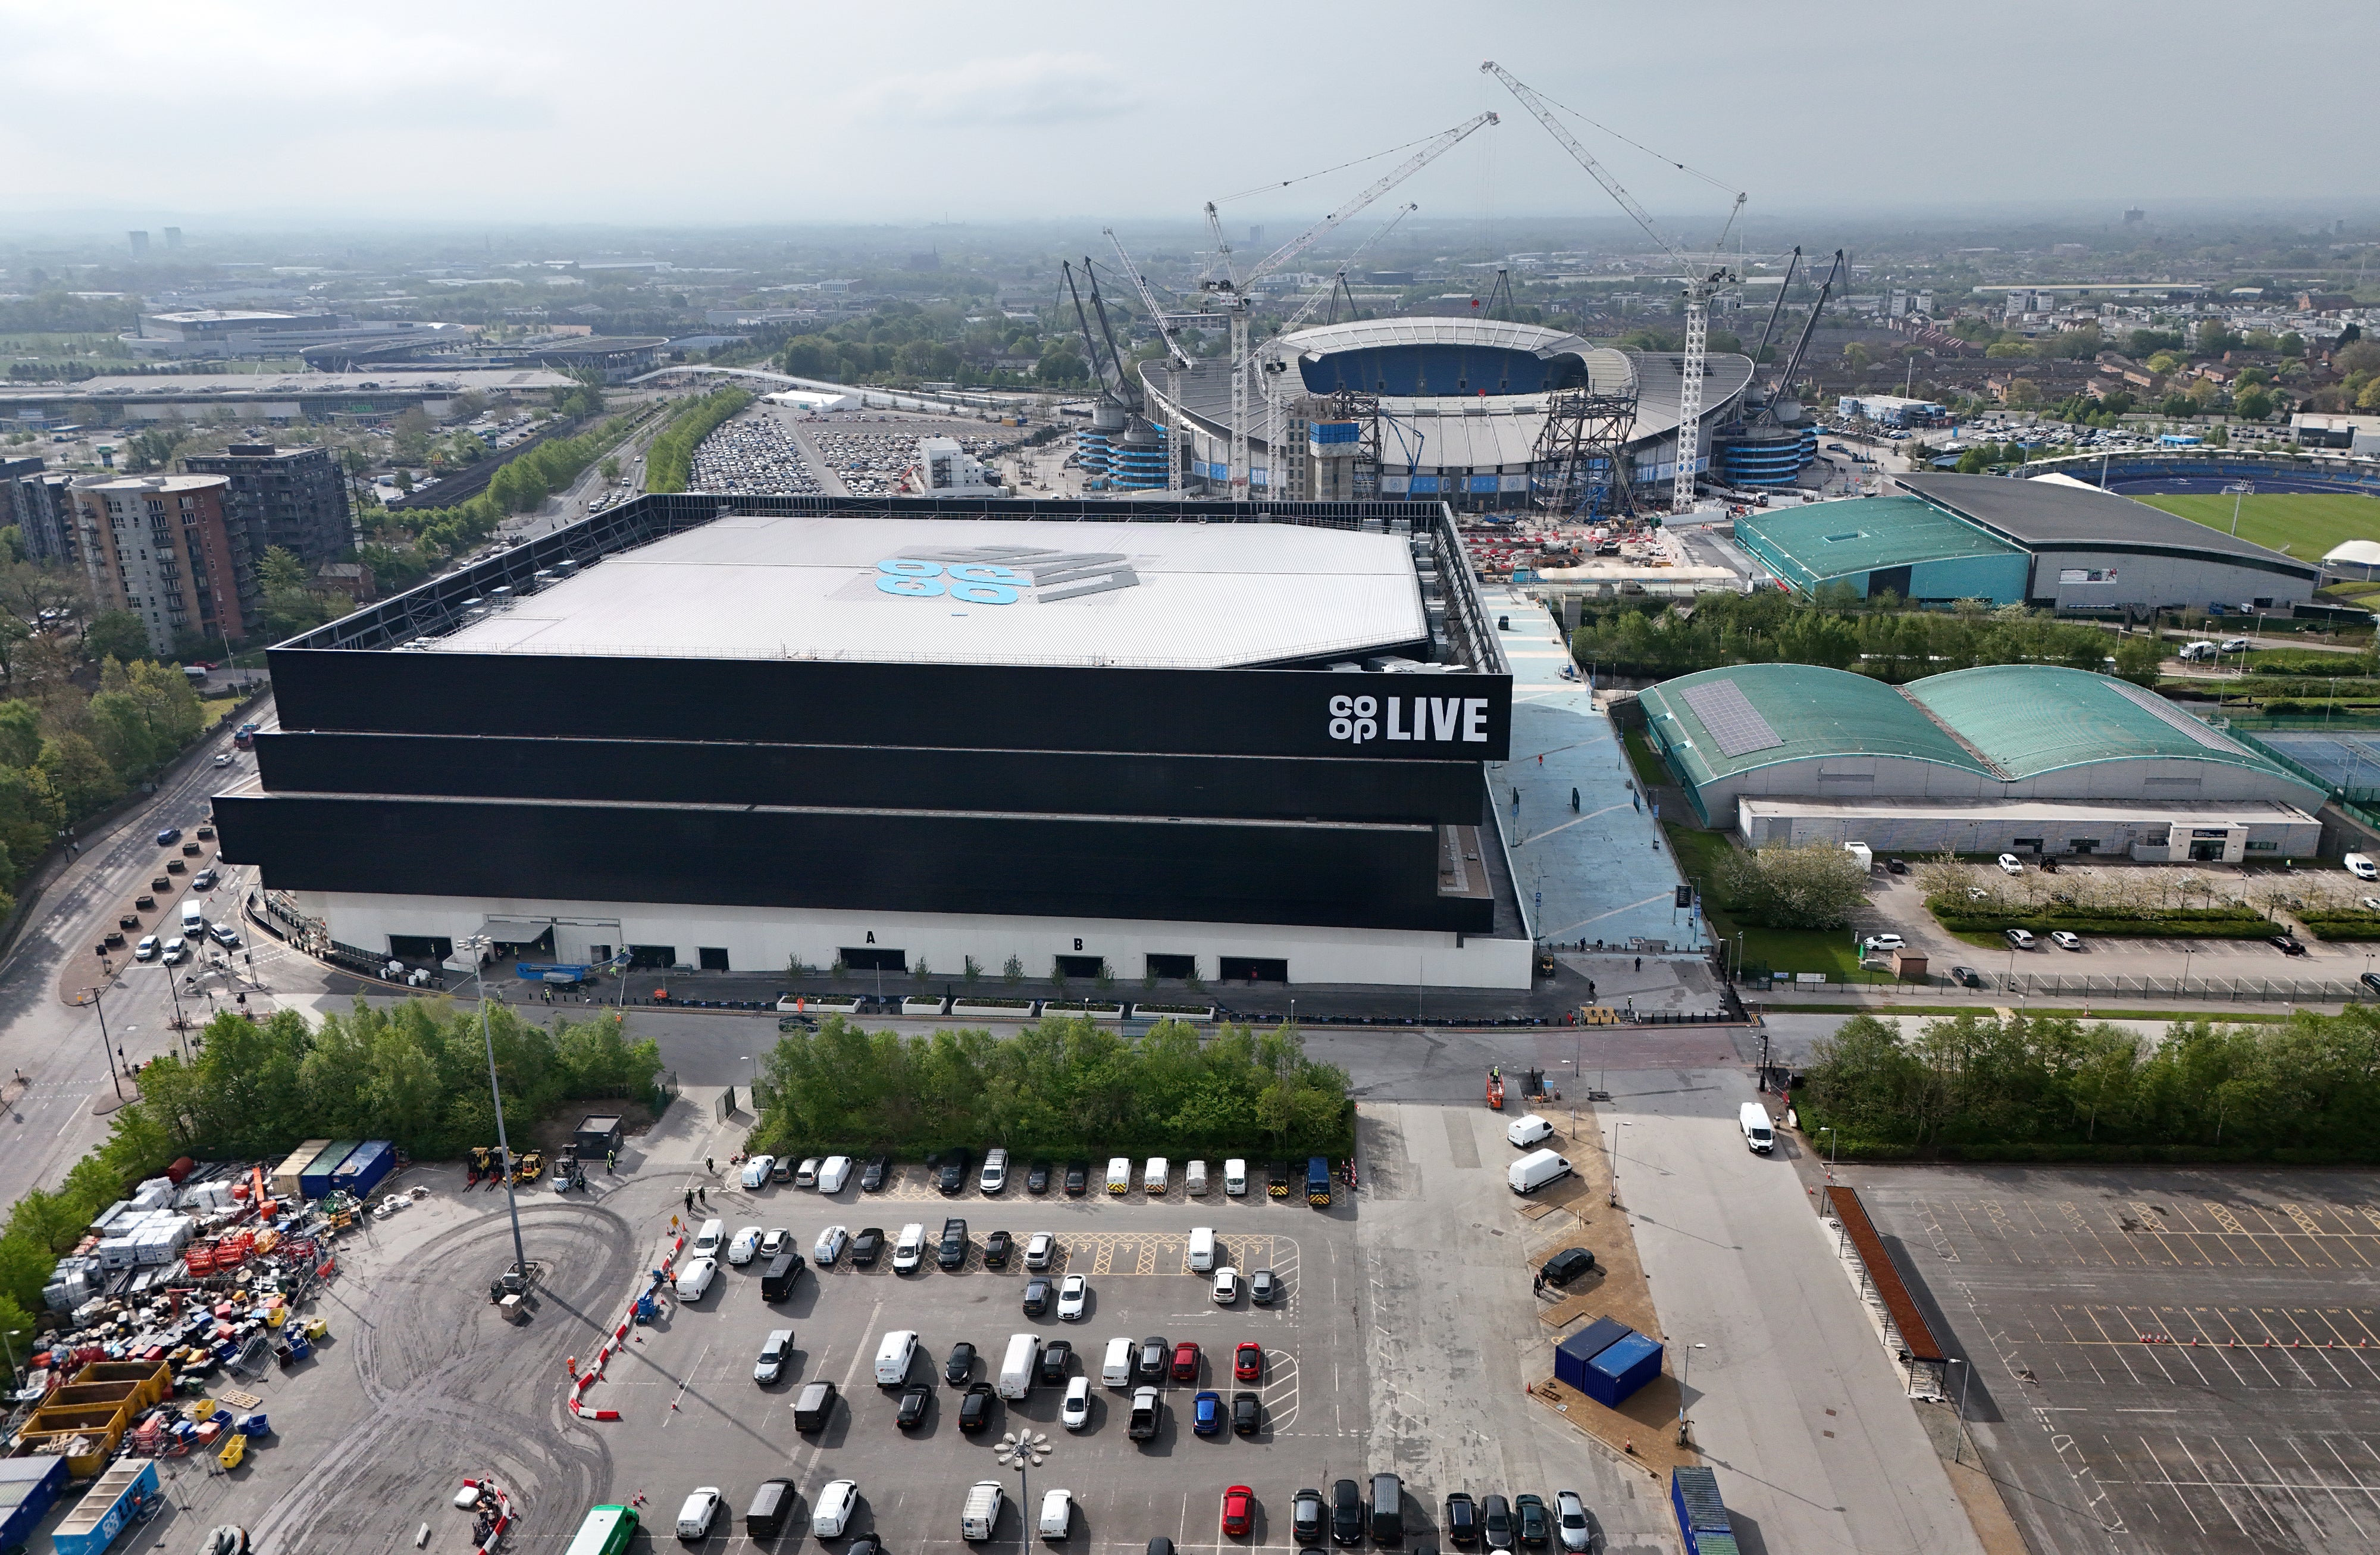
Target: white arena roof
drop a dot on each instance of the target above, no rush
(908, 591)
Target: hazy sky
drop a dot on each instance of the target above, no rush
(719, 111)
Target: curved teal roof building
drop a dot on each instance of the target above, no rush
(2032, 720)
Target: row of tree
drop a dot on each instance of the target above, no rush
(1983, 1088)
(416, 1074)
(1067, 1086)
(669, 463)
(1654, 638)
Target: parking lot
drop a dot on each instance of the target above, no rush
(2176, 1360)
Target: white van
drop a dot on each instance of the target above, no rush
(1119, 1175)
(834, 1173)
(1528, 1129)
(1154, 1176)
(980, 1514)
(1759, 1132)
(1535, 1170)
(909, 1247)
(1202, 1250)
(194, 917)
(707, 1240)
(1235, 1178)
(1193, 1179)
(2195, 652)
(1115, 1369)
(1016, 1366)
(893, 1357)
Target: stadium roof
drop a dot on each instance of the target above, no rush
(1361, 335)
(866, 589)
(2030, 718)
(1797, 712)
(1826, 539)
(2056, 515)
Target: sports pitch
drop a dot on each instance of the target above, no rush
(2303, 525)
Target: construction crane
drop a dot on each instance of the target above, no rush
(1698, 291)
(1177, 361)
(1271, 369)
(1231, 287)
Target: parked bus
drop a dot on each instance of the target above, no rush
(606, 1531)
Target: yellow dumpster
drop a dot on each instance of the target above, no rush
(234, 1450)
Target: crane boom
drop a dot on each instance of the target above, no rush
(1430, 150)
(1793, 363)
(1091, 341)
(1128, 391)
(1176, 360)
(1776, 308)
(1536, 105)
(1276, 460)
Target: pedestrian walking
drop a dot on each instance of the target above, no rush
(609, 1157)
(711, 1166)
(704, 1195)
(689, 1201)
(1640, 964)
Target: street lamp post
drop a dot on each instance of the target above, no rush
(478, 946)
(1959, 1441)
(1686, 1370)
(1616, 1128)
(92, 996)
(1828, 1129)
(1021, 1450)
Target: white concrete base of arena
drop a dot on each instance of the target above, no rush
(764, 939)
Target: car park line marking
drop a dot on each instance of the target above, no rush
(2322, 1483)
(1281, 1371)
(685, 1382)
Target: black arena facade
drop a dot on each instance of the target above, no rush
(1161, 739)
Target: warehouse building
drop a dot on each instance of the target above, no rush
(2052, 544)
(2076, 752)
(1239, 742)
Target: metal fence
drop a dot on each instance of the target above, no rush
(1996, 987)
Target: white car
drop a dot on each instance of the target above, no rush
(1057, 1515)
(1570, 1517)
(2372, 903)
(146, 948)
(222, 758)
(1227, 1286)
(1037, 1249)
(745, 1246)
(777, 1241)
(1076, 1413)
(1875, 942)
(695, 1278)
(694, 1519)
(756, 1170)
(806, 1175)
(829, 1245)
(908, 1249)
(2065, 941)
(834, 1174)
(2361, 866)
(834, 1507)
(2010, 864)
(1072, 1293)
(2237, 645)
(1235, 1178)
(174, 949)
(2021, 937)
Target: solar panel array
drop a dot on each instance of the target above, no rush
(1734, 723)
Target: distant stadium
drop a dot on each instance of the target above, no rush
(1462, 402)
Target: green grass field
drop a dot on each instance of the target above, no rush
(2303, 524)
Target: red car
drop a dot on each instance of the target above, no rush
(1239, 1509)
(1185, 1361)
(1248, 1362)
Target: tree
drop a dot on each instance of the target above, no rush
(281, 569)
(116, 634)
(405, 481)
(2138, 658)
(1811, 886)
(2215, 339)
(2023, 393)
(2254, 405)
(2292, 344)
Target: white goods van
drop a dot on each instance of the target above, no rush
(894, 1355)
(707, 1240)
(1202, 1250)
(1115, 1369)
(1119, 1175)
(1016, 1366)
(1759, 1132)
(1235, 1177)
(1535, 1170)
(1154, 1176)
(980, 1516)
(1193, 1179)
(194, 917)
(1528, 1129)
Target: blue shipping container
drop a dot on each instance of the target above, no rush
(1702, 1516)
(548, 972)
(1573, 1354)
(362, 1171)
(1622, 1369)
(314, 1177)
(28, 1488)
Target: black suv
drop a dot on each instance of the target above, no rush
(954, 1168)
(1462, 1518)
(1346, 1513)
(1037, 1292)
(1150, 1367)
(872, 1175)
(1306, 1515)
(974, 1409)
(995, 1248)
(866, 1246)
(1568, 1265)
(960, 1368)
(1056, 1356)
(952, 1252)
(1078, 1177)
(1036, 1177)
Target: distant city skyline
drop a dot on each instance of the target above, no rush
(746, 114)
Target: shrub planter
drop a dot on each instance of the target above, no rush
(818, 1004)
(915, 1005)
(1142, 1009)
(994, 1009)
(1096, 1009)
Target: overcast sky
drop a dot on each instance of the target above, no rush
(720, 110)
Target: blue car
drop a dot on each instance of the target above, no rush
(169, 836)
(1207, 1413)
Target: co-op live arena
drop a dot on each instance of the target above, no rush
(1174, 740)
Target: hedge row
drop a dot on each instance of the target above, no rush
(2044, 1150)
(2226, 928)
(2343, 926)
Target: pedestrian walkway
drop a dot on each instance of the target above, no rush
(1588, 856)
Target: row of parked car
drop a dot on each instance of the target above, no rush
(1346, 1517)
(953, 1168)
